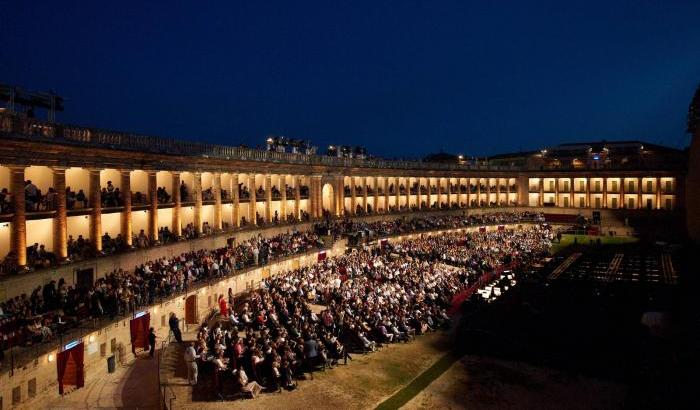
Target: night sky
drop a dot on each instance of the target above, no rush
(404, 78)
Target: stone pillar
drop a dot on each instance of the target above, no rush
(386, 194)
(470, 196)
(315, 195)
(353, 197)
(397, 183)
(364, 193)
(623, 191)
(19, 222)
(253, 201)
(177, 209)
(268, 198)
(449, 192)
(283, 203)
(639, 193)
(541, 200)
(658, 192)
(556, 192)
(605, 192)
(340, 195)
(60, 241)
(96, 214)
(572, 196)
(197, 188)
(439, 192)
(376, 194)
(507, 191)
(498, 191)
(125, 190)
(236, 199)
(153, 206)
(430, 192)
(588, 191)
(297, 196)
(216, 190)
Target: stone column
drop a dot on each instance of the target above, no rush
(297, 196)
(177, 209)
(588, 191)
(572, 196)
(386, 194)
(340, 196)
(541, 200)
(430, 192)
(605, 192)
(96, 214)
(397, 183)
(449, 192)
(125, 190)
(353, 197)
(507, 191)
(498, 191)
(153, 206)
(639, 193)
(216, 190)
(376, 194)
(60, 241)
(315, 196)
(283, 203)
(197, 188)
(439, 192)
(236, 200)
(364, 193)
(253, 201)
(19, 221)
(467, 182)
(268, 198)
(556, 192)
(623, 191)
(658, 192)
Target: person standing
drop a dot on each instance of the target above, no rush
(191, 361)
(174, 324)
(152, 341)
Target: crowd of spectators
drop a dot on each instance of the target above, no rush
(58, 304)
(315, 316)
(349, 227)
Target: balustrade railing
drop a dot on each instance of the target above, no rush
(35, 129)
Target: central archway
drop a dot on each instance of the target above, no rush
(328, 197)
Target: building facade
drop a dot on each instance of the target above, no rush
(162, 183)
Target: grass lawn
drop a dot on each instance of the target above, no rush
(568, 239)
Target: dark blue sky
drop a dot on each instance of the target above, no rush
(403, 78)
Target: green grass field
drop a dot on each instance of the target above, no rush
(568, 239)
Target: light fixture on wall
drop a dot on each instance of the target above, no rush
(50, 357)
(91, 339)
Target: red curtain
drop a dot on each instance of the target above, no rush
(482, 229)
(139, 331)
(501, 227)
(74, 374)
(321, 256)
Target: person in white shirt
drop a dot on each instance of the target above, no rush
(191, 361)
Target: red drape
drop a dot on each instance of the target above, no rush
(139, 331)
(76, 377)
(321, 256)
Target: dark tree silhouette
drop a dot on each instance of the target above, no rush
(694, 113)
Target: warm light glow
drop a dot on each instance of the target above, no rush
(50, 357)
(91, 339)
